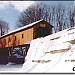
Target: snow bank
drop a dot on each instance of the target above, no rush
(51, 53)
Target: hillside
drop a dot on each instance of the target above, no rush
(53, 53)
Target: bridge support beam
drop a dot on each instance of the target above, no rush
(14, 54)
(18, 54)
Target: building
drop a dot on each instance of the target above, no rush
(21, 36)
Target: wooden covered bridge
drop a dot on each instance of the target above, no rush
(14, 45)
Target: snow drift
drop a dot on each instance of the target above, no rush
(53, 53)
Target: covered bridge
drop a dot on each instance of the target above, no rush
(16, 41)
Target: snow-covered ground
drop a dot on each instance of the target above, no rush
(10, 68)
(53, 53)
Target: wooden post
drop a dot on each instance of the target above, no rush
(26, 48)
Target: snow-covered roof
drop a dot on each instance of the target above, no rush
(29, 25)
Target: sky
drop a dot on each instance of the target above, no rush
(11, 10)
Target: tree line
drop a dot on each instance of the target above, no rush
(60, 16)
(4, 27)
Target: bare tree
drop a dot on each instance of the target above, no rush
(72, 16)
(58, 19)
(60, 10)
(3, 27)
(34, 13)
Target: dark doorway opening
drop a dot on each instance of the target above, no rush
(4, 53)
(42, 31)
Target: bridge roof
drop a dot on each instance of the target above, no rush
(24, 27)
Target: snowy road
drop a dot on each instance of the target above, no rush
(10, 67)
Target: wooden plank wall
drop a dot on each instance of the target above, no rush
(10, 41)
(28, 34)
